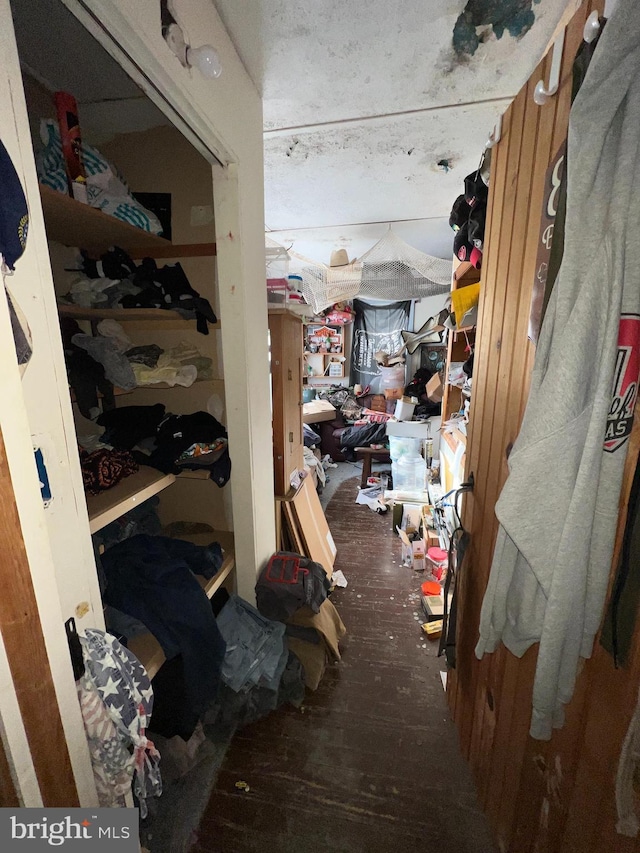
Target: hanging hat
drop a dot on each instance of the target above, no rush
(339, 258)
(462, 248)
(477, 222)
(459, 213)
(475, 190)
(14, 215)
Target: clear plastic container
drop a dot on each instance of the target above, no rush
(277, 271)
(392, 381)
(401, 446)
(410, 473)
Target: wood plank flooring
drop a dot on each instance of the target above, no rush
(371, 761)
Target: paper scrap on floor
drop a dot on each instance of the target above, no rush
(338, 579)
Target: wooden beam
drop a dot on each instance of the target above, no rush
(27, 656)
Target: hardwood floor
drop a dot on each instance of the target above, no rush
(371, 761)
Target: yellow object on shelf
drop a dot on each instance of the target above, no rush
(464, 299)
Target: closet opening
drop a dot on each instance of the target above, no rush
(131, 238)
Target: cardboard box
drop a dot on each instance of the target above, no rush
(407, 548)
(397, 511)
(317, 411)
(433, 606)
(378, 403)
(435, 389)
(418, 556)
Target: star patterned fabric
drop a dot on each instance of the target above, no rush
(116, 699)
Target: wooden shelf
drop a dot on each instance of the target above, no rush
(145, 647)
(129, 493)
(454, 438)
(76, 224)
(466, 273)
(73, 223)
(78, 312)
(148, 651)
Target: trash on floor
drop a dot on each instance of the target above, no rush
(431, 588)
(338, 579)
(432, 629)
(372, 497)
(407, 547)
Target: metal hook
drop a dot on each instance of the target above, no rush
(591, 28)
(495, 135)
(541, 93)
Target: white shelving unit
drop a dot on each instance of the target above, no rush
(75, 224)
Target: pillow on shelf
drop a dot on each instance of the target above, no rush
(106, 188)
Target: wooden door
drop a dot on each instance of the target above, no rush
(555, 797)
(286, 378)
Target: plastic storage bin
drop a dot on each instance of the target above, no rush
(410, 473)
(277, 272)
(400, 446)
(392, 382)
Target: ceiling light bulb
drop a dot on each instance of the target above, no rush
(206, 60)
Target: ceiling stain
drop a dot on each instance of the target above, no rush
(472, 27)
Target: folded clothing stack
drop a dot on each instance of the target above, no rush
(170, 443)
(115, 281)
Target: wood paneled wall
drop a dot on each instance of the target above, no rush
(555, 797)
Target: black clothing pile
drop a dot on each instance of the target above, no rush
(361, 436)
(170, 443)
(149, 287)
(294, 590)
(86, 375)
(151, 579)
(310, 437)
(418, 388)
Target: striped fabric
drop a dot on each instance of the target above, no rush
(106, 188)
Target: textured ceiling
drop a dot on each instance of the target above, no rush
(362, 101)
(401, 84)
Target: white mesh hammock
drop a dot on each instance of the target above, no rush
(391, 269)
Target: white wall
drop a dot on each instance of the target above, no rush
(223, 117)
(37, 410)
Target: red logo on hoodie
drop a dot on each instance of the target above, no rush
(625, 383)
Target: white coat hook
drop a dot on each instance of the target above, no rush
(591, 27)
(541, 94)
(494, 136)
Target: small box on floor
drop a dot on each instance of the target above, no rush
(433, 606)
(407, 547)
(418, 555)
(407, 515)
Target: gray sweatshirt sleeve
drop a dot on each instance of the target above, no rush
(559, 506)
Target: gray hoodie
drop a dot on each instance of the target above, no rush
(559, 507)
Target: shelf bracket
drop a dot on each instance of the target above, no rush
(541, 93)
